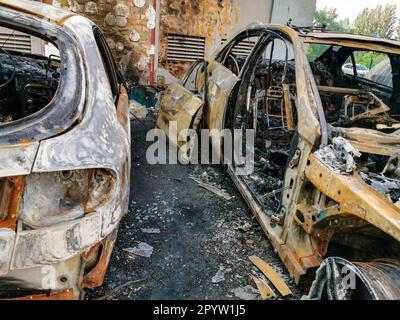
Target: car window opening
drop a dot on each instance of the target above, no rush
(234, 56)
(360, 94)
(267, 104)
(29, 74)
(357, 86)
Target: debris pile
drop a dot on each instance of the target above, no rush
(339, 156)
(137, 110)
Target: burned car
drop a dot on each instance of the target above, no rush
(64, 152)
(326, 181)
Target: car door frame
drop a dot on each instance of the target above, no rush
(220, 85)
(179, 104)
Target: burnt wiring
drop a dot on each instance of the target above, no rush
(12, 76)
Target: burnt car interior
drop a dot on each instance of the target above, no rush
(265, 100)
(368, 103)
(28, 78)
(234, 57)
(353, 100)
(267, 82)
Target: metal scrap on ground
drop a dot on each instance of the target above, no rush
(265, 290)
(245, 293)
(218, 191)
(150, 230)
(137, 110)
(143, 249)
(272, 275)
(219, 276)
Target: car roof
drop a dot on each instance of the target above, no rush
(347, 36)
(38, 9)
(362, 42)
(353, 40)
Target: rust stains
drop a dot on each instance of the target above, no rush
(10, 196)
(60, 295)
(211, 19)
(122, 108)
(95, 277)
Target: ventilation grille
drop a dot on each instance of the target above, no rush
(14, 40)
(243, 48)
(185, 48)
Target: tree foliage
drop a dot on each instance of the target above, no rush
(369, 58)
(379, 21)
(398, 30)
(328, 17)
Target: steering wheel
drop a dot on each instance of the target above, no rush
(11, 78)
(236, 64)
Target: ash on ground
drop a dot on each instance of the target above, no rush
(201, 235)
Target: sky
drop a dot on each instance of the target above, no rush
(351, 8)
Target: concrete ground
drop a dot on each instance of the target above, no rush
(201, 234)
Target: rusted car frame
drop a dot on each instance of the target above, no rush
(65, 166)
(330, 202)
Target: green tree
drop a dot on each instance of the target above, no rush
(328, 17)
(380, 20)
(398, 30)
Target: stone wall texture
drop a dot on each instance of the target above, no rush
(127, 26)
(212, 19)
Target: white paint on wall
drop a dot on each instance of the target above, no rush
(248, 13)
(253, 11)
(300, 11)
(151, 17)
(139, 3)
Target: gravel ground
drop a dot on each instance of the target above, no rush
(202, 237)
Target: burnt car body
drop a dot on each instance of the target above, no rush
(325, 184)
(64, 156)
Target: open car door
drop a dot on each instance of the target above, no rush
(183, 102)
(221, 82)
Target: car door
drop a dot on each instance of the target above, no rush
(221, 82)
(222, 75)
(182, 103)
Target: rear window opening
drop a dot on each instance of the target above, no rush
(358, 87)
(29, 74)
(360, 95)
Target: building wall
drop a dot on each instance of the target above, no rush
(127, 26)
(301, 12)
(131, 26)
(212, 19)
(190, 17)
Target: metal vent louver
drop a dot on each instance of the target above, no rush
(243, 48)
(185, 48)
(14, 40)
